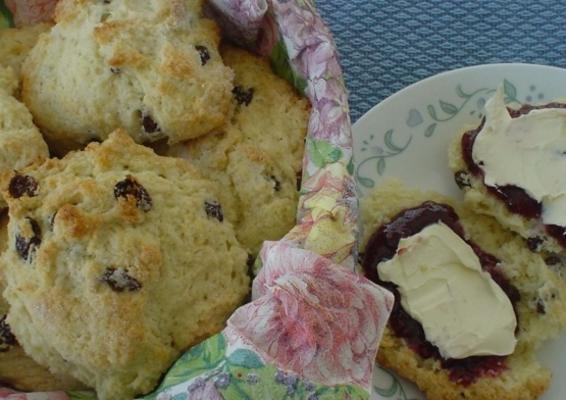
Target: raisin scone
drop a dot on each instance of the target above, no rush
(511, 167)
(21, 143)
(151, 67)
(16, 43)
(257, 157)
(117, 261)
(17, 369)
(486, 350)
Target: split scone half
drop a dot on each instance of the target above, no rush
(472, 302)
(511, 167)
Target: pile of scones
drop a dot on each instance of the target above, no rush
(142, 164)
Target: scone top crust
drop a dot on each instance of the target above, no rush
(150, 67)
(17, 43)
(258, 156)
(116, 264)
(8, 81)
(21, 143)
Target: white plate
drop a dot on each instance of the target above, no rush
(407, 136)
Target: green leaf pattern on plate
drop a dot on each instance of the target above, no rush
(510, 92)
(393, 389)
(430, 117)
(430, 130)
(381, 154)
(448, 108)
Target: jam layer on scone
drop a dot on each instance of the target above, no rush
(383, 245)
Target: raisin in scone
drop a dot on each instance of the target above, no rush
(21, 143)
(17, 369)
(511, 167)
(149, 67)
(257, 157)
(117, 261)
(16, 43)
(486, 350)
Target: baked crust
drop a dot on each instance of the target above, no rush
(115, 265)
(21, 143)
(258, 156)
(154, 71)
(17, 43)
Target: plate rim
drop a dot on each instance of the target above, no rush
(452, 72)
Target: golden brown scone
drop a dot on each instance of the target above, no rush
(17, 369)
(117, 262)
(21, 143)
(258, 156)
(151, 67)
(525, 378)
(16, 43)
(8, 81)
(541, 309)
(20, 372)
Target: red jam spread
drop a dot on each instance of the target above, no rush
(383, 245)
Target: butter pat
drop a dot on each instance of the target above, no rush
(529, 152)
(442, 285)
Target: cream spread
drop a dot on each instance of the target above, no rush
(462, 310)
(529, 152)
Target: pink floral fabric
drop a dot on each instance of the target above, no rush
(240, 20)
(202, 389)
(314, 317)
(7, 394)
(330, 117)
(313, 54)
(29, 12)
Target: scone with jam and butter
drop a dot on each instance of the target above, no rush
(21, 143)
(257, 157)
(118, 260)
(472, 303)
(511, 167)
(151, 67)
